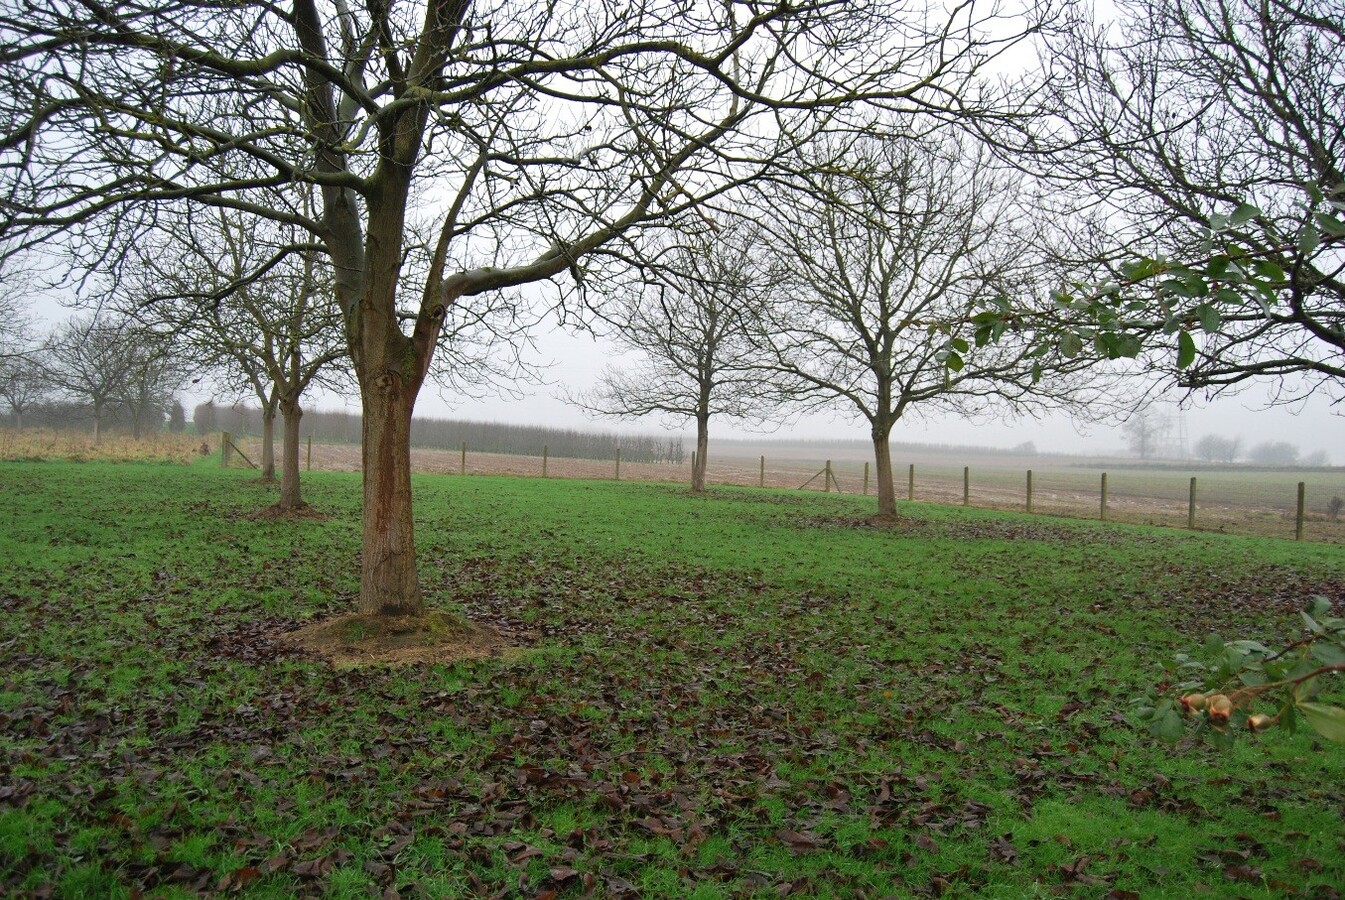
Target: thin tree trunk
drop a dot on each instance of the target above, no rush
(887, 492)
(388, 584)
(97, 425)
(702, 451)
(290, 498)
(269, 443)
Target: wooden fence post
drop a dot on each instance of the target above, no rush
(1298, 522)
(1191, 506)
(545, 448)
(826, 482)
(966, 485)
(1103, 511)
(910, 483)
(226, 446)
(618, 463)
(866, 479)
(462, 466)
(761, 478)
(1029, 490)
(310, 454)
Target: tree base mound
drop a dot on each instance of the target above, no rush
(436, 637)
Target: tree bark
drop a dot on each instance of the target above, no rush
(887, 491)
(269, 442)
(702, 451)
(290, 498)
(388, 584)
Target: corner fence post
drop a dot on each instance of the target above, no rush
(866, 479)
(761, 478)
(226, 446)
(544, 450)
(462, 466)
(309, 464)
(1029, 490)
(618, 463)
(1102, 512)
(966, 485)
(910, 483)
(826, 483)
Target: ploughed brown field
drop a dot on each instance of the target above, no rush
(1235, 500)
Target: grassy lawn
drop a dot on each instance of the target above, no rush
(742, 694)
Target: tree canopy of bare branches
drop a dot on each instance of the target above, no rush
(1208, 136)
(689, 324)
(528, 139)
(902, 263)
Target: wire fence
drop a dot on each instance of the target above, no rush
(1308, 505)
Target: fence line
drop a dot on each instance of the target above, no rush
(1244, 502)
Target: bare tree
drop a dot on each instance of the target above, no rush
(893, 253)
(89, 365)
(23, 385)
(252, 307)
(688, 324)
(547, 131)
(1274, 453)
(1212, 133)
(1144, 433)
(1217, 448)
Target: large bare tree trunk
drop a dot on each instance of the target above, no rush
(702, 451)
(269, 443)
(887, 491)
(388, 583)
(290, 498)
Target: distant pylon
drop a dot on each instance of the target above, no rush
(1182, 441)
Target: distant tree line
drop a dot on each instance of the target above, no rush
(449, 434)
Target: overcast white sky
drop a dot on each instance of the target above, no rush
(578, 360)
(575, 362)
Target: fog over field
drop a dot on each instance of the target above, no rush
(1315, 425)
(569, 361)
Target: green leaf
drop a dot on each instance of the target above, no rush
(960, 345)
(1319, 607)
(1167, 725)
(954, 362)
(1329, 654)
(1214, 643)
(1308, 241)
(1330, 225)
(1070, 345)
(1186, 349)
(1269, 270)
(1210, 320)
(1243, 214)
(1328, 721)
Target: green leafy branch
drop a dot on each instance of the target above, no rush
(1244, 685)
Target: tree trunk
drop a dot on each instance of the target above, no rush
(97, 424)
(702, 451)
(290, 498)
(887, 492)
(388, 584)
(269, 443)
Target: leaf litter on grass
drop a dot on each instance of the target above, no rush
(676, 727)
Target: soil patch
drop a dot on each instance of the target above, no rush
(437, 637)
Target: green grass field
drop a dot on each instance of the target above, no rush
(743, 694)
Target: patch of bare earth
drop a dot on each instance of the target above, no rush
(437, 637)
